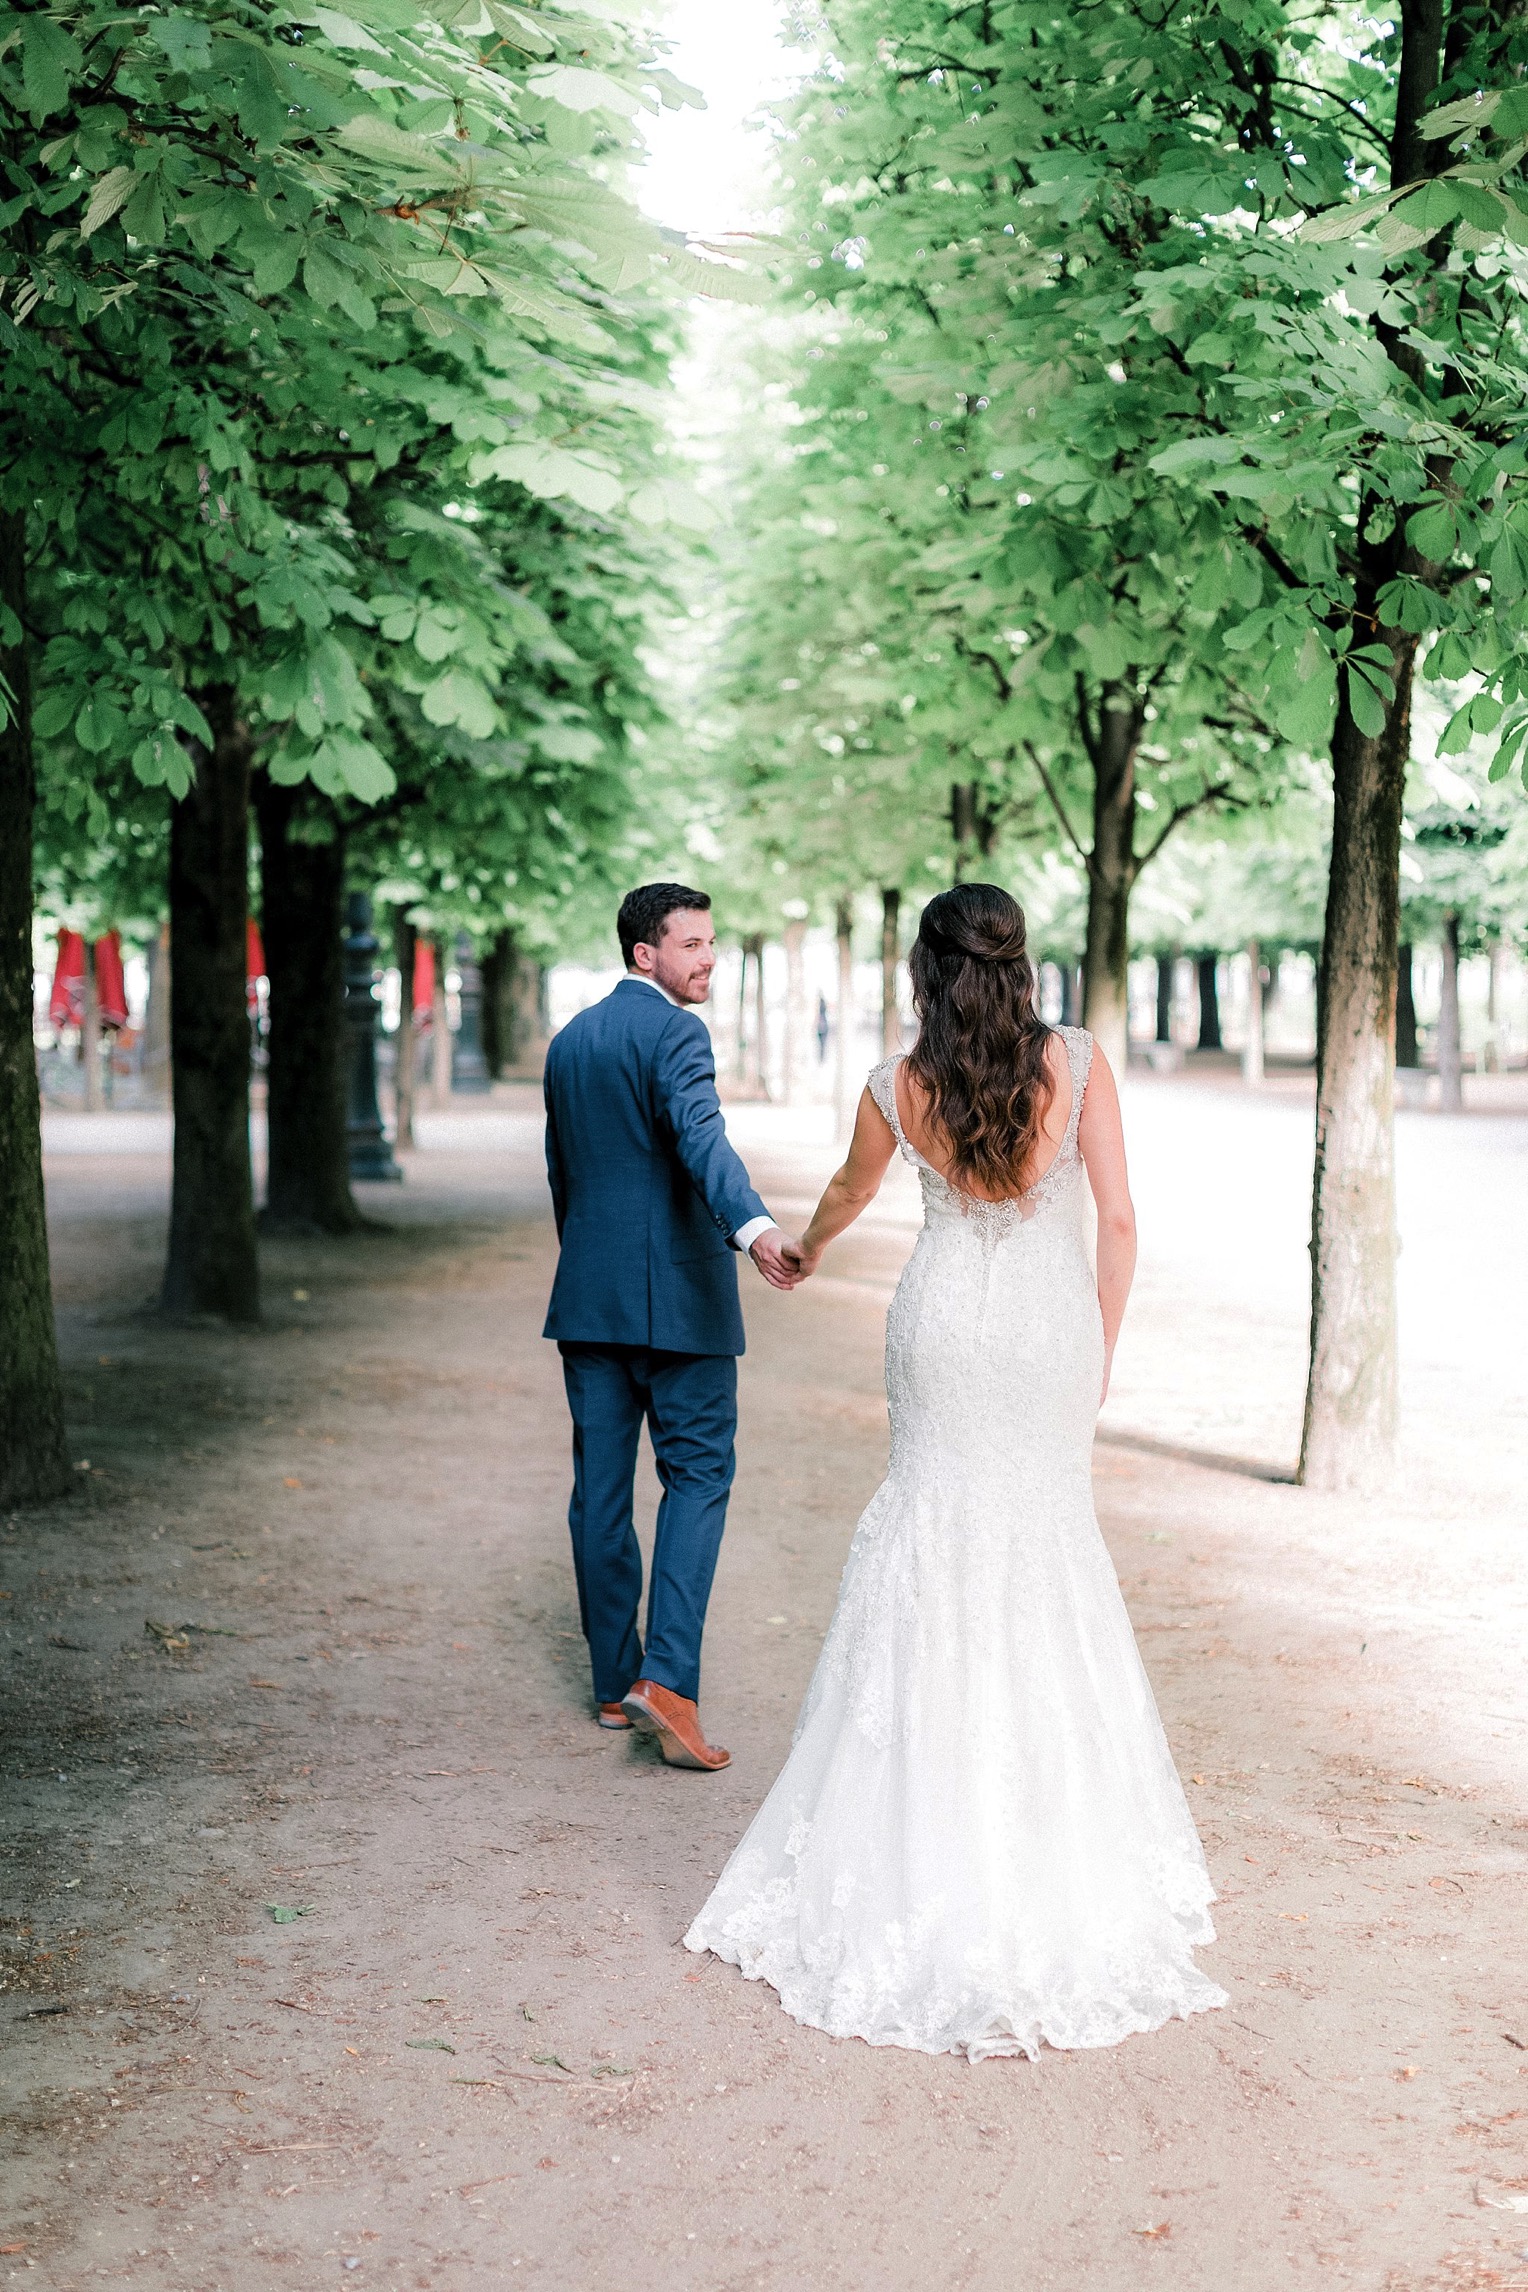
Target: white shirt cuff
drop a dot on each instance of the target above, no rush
(746, 1236)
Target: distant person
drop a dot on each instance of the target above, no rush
(979, 1843)
(653, 1208)
(824, 1028)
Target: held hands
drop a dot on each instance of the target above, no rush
(777, 1256)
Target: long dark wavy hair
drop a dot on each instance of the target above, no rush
(980, 1053)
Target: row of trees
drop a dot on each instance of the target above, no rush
(1150, 412)
(331, 493)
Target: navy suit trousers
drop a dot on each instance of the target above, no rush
(689, 1402)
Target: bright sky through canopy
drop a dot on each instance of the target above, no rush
(705, 175)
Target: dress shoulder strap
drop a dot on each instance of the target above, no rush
(882, 1086)
(1079, 1055)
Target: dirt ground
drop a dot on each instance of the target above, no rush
(299, 1756)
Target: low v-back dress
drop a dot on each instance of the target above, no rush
(979, 1843)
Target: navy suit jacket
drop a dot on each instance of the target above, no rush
(646, 1189)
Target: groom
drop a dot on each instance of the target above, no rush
(652, 1208)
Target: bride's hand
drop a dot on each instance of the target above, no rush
(804, 1262)
(1108, 1366)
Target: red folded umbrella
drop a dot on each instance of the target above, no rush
(111, 989)
(254, 965)
(66, 1004)
(424, 981)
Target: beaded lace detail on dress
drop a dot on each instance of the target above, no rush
(979, 1842)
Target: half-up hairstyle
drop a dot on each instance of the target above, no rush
(980, 1054)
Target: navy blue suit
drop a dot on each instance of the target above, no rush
(647, 1194)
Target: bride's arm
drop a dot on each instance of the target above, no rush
(849, 1190)
(1101, 1138)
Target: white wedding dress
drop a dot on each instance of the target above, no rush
(979, 1842)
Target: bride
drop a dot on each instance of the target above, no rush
(979, 1843)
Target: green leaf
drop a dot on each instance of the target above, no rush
(49, 60)
(1433, 532)
(284, 1915)
(109, 193)
(458, 698)
(579, 90)
(143, 215)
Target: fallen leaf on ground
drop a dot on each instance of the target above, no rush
(286, 1916)
(1162, 2228)
(355, 2049)
(75, 1646)
(168, 1635)
(291, 1483)
(603, 2069)
(429, 2045)
(1520, 2042)
(1299, 1916)
(297, 2006)
(1411, 2070)
(267, 1683)
(12, 2248)
(550, 2061)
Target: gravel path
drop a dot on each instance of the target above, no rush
(306, 1638)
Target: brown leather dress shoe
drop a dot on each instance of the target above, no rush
(612, 1716)
(675, 1722)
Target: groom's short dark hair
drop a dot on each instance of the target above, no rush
(645, 911)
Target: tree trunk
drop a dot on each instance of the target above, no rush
(750, 1048)
(845, 1083)
(1252, 1048)
(405, 939)
(1405, 1008)
(1450, 1065)
(797, 1017)
(1208, 967)
(1166, 968)
(532, 1015)
(211, 1266)
(1112, 870)
(440, 1034)
(1350, 1401)
(760, 1018)
(307, 1180)
(891, 951)
(90, 1033)
(511, 1005)
(33, 1462)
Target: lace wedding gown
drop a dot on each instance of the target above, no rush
(979, 1842)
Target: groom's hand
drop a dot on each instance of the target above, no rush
(769, 1254)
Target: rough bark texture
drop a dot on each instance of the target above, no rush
(1450, 1060)
(891, 953)
(1350, 1403)
(1350, 1400)
(211, 1266)
(1208, 967)
(33, 1462)
(1111, 742)
(1405, 1008)
(307, 1186)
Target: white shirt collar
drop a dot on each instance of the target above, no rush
(643, 980)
